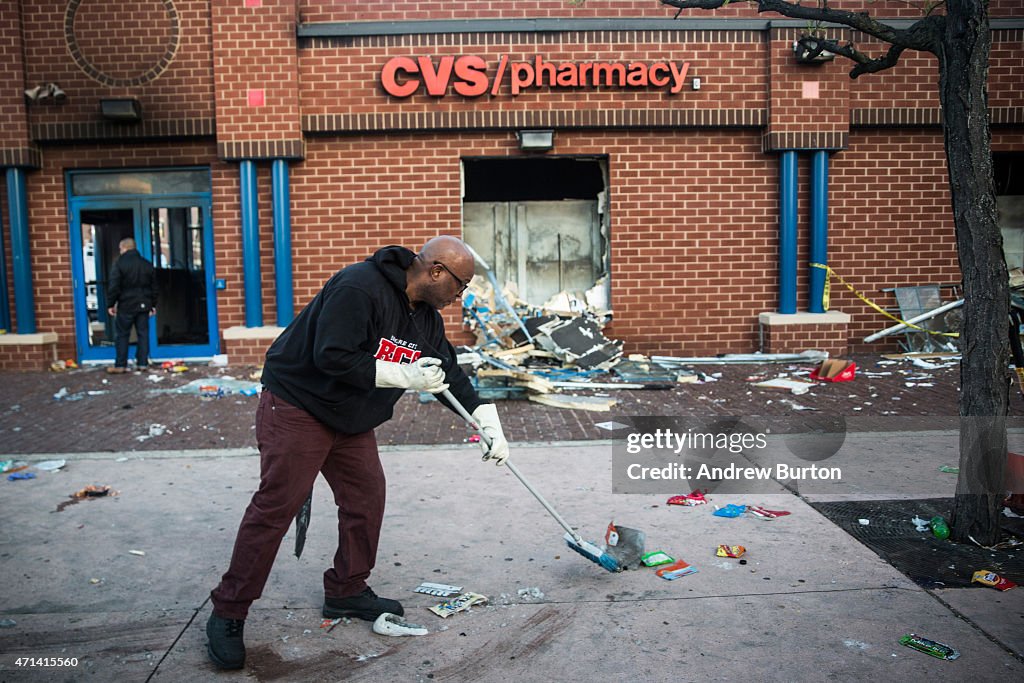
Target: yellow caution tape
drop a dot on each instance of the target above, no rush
(826, 295)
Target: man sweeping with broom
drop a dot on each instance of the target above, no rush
(332, 376)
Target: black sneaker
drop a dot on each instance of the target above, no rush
(226, 648)
(365, 606)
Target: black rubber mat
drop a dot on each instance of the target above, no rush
(926, 560)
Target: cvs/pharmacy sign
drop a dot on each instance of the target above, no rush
(472, 76)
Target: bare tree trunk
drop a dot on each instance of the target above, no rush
(984, 379)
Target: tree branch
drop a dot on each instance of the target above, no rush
(922, 35)
(864, 63)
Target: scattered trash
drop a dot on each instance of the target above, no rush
(624, 545)
(92, 491)
(212, 391)
(864, 522)
(329, 624)
(140, 553)
(741, 358)
(458, 604)
(729, 510)
(211, 385)
(939, 528)
(929, 647)
(21, 475)
(388, 624)
(835, 370)
(154, 430)
(532, 593)
(656, 558)
(921, 524)
(675, 570)
(50, 465)
(610, 426)
(61, 393)
(856, 645)
(949, 470)
(219, 360)
(8, 623)
(764, 513)
(988, 577)
(797, 387)
(688, 500)
(439, 590)
(730, 551)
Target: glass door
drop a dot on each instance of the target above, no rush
(181, 251)
(100, 227)
(175, 235)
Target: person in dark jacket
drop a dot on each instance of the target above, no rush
(131, 297)
(330, 378)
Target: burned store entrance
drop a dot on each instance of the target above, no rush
(541, 224)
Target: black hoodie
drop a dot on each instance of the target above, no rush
(324, 362)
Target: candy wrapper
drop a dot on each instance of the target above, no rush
(675, 570)
(689, 500)
(730, 510)
(730, 551)
(988, 577)
(762, 513)
(459, 603)
(929, 647)
(656, 558)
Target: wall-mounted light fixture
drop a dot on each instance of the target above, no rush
(125, 109)
(536, 140)
(809, 50)
(50, 92)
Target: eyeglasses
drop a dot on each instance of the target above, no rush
(462, 285)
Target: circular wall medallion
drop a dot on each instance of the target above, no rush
(127, 46)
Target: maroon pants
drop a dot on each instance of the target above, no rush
(294, 447)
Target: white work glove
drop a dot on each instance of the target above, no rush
(486, 415)
(423, 375)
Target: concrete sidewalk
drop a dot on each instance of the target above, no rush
(810, 604)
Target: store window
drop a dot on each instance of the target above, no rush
(541, 224)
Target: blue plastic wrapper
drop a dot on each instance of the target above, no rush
(730, 510)
(21, 475)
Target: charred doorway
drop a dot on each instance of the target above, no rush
(541, 223)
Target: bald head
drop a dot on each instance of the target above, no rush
(450, 251)
(440, 272)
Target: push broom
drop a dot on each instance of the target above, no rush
(572, 539)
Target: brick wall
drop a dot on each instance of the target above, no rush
(798, 338)
(27, 357)
(256, 79)
(246, 351)
(130, 50)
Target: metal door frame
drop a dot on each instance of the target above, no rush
(139, 205)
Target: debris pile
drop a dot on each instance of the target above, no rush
(544, 352)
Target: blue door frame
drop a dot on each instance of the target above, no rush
(141, 207)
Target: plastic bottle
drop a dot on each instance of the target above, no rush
(939, 528)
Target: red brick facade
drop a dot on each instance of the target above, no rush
(693, 176)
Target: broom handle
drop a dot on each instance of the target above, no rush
(512, 468)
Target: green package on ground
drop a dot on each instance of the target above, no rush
(656, 557)
(929, 647)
